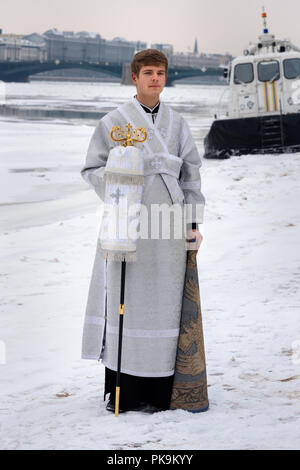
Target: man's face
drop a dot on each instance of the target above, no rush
(151, 80)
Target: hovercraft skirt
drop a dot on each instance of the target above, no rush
(263, 134)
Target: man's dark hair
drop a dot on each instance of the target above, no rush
(148, 57)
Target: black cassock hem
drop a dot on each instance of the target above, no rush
(136, 391)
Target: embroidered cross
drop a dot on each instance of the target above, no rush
(117, 195)
(156, 163)
(163, 132)
(150, 133)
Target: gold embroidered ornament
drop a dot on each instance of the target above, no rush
(129, 138)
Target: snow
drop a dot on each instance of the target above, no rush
(249, 270)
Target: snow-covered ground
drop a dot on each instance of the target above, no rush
(249, 272)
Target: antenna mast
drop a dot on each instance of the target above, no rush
(264, 16)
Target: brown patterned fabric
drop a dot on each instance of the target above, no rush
(190, 385)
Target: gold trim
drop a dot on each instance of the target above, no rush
(267, 103)
(268, 96)
(265, 96)
(275, 97)
(121, 309)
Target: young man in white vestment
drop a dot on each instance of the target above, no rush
(154, 283)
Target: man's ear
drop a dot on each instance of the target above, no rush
(133, 76)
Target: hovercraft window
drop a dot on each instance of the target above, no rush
(243, 73)
(291, 68)
(268, 71)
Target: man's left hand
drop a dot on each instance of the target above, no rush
(194, 234)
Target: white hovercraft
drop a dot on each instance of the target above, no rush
(263, 114)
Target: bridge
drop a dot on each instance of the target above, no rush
(20, 71)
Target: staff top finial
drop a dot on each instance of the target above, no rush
(128, 137)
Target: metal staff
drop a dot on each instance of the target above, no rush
(126, 139)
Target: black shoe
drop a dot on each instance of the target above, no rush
(147, 408)
(143, 408)
(111, 406)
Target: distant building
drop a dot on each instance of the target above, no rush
(15, 48)
(167, 49)
(35, 38)
(68, 46)
(196, 52)
(140, 46)
(189, 59)
(89, 47)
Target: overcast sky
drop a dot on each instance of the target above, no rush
(219, 25)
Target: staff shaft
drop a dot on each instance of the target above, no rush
(118, 381)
